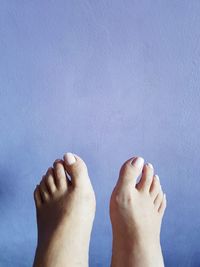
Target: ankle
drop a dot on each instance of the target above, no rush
(128, 253)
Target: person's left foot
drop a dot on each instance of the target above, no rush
(136, 211)
(65, 213)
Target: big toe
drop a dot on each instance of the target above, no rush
(130, 171)
(77, 169)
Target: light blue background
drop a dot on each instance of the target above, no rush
(106, 80)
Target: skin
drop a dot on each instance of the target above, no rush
(65, 212)
(136, 212)
(66, 207)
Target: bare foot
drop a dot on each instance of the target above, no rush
(65, 213)
(136, 212)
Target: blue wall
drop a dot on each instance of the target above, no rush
(106, 80)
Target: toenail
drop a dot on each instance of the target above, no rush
(69, 158)
(57, 160)
(138, 162)
(149, 165)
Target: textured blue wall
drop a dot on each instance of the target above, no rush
(106, 80)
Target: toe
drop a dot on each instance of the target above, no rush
(60, 175)
(146, 179)
(76, 168)
(44, 191)
(158, 200)
(130, 171)
(50, 182)
(155, 187)
(163, 205)
(37, 197)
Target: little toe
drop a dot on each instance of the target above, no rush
(60, 175)
(163, 205)
(147, 176)
(44, 191)
(158, 200)
(76, 168)
(155, 187)
(37, 197)
(50, 182)
(130, 171)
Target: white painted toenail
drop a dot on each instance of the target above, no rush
(138, 162)
(150, 165)
(69, 158)
(157, 177)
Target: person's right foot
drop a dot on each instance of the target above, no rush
(136, 212)
(65, 212)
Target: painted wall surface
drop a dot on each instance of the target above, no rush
(106, 80)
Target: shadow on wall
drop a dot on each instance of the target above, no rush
(183, 260)
(10, 251)
(7, 191)
(99, 261)
(195, 259)
(19, 254)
